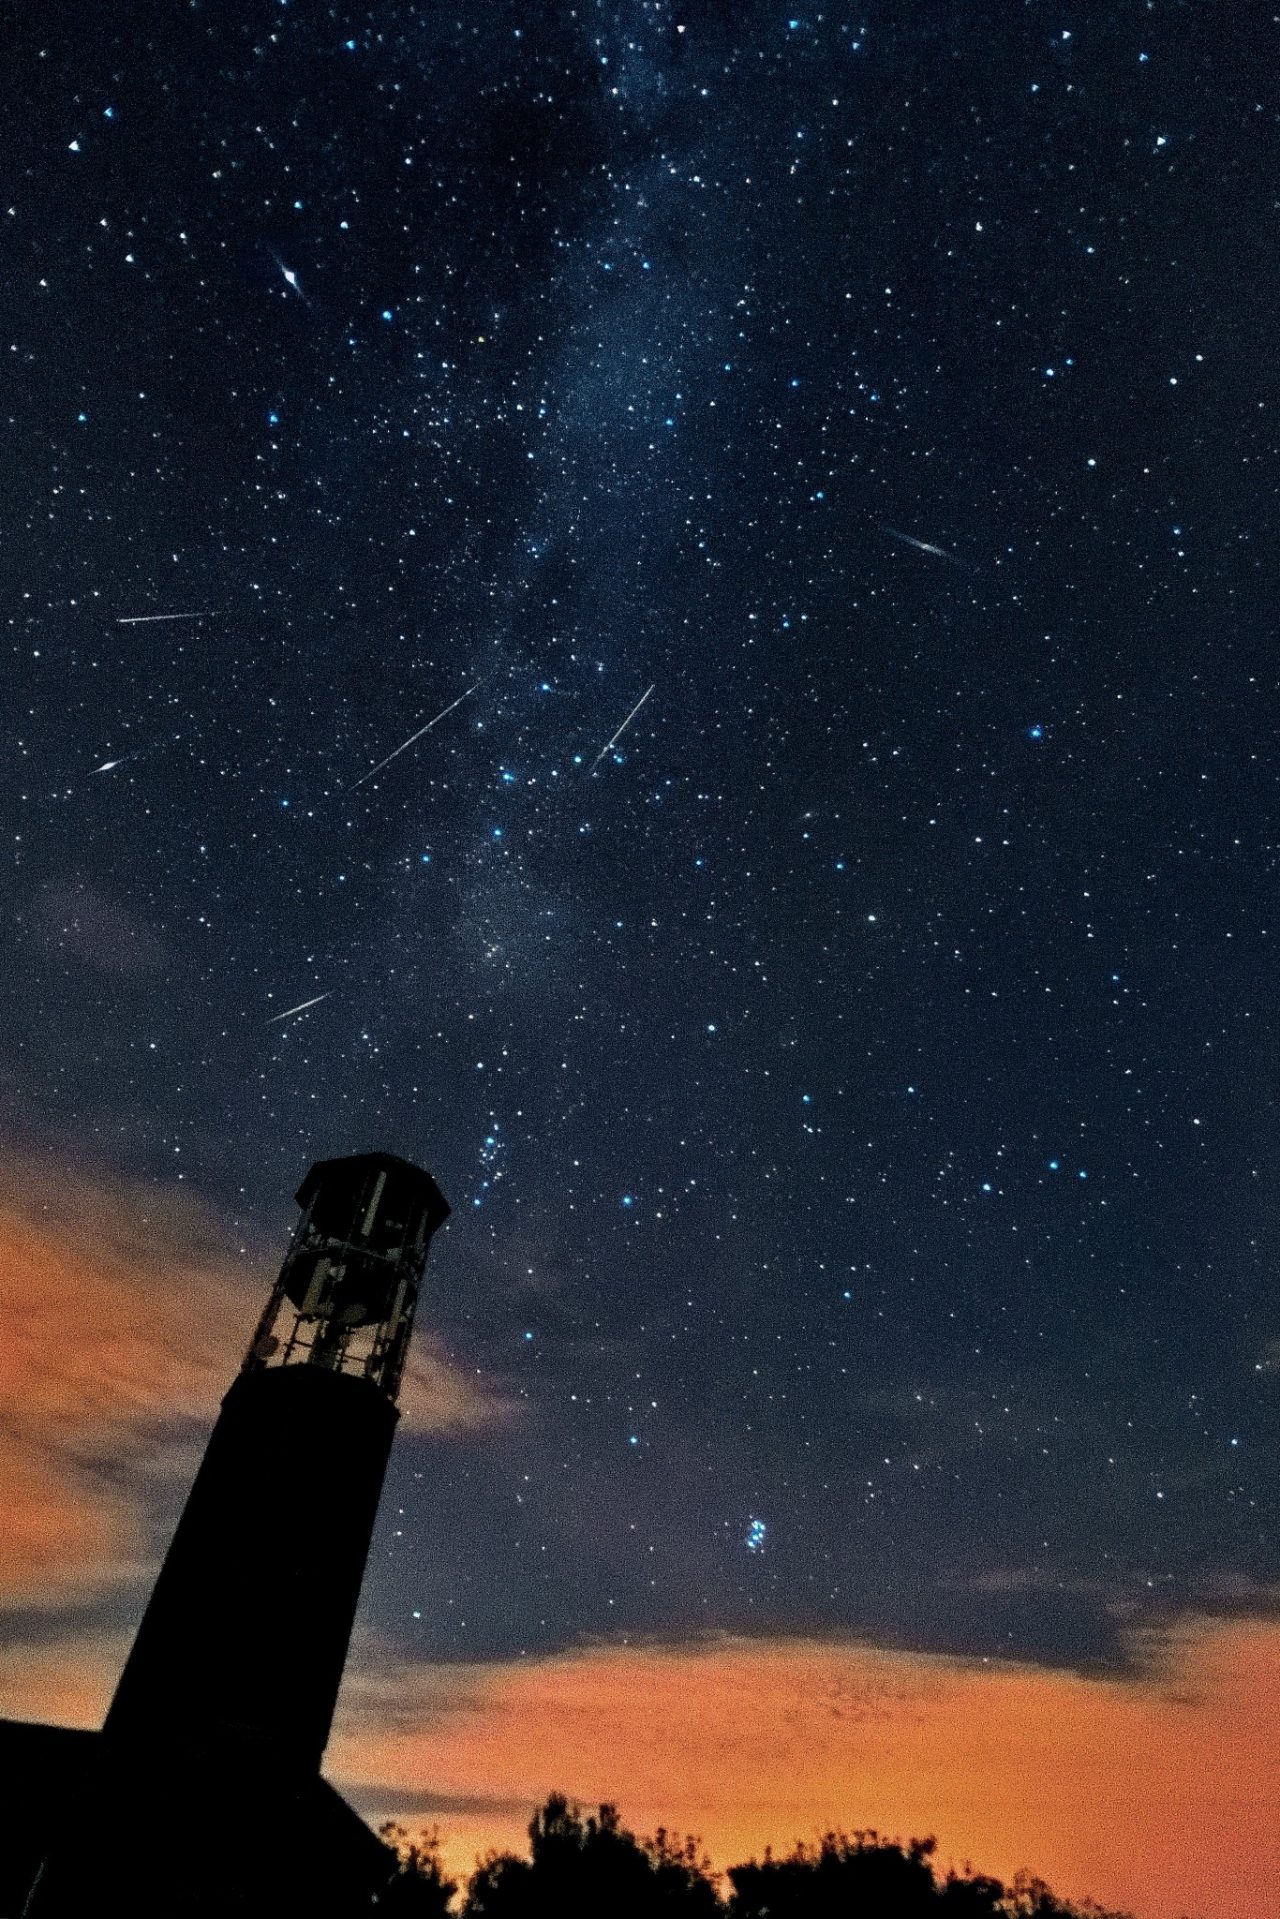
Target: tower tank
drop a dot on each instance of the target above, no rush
(240, 1652)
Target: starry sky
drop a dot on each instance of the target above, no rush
(701, 583)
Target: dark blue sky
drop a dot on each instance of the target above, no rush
(855, 1087)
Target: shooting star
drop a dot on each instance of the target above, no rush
(302, 1007)
(140, 619)
(622, 729)
(123, 759)
(921, 546)
(290, 279)
(406, 744)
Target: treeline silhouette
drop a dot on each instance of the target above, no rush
(588, 1866)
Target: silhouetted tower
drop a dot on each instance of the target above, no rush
(240, 1653)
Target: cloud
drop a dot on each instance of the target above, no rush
(436, 1396)
(126, 1311)
(77, 918)
(1155, 1794)
(1006, 1582)
(68, 1682)
(380, 1801)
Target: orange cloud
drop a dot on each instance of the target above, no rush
(66, 1683)
(1157, 1796)
(126, 1310)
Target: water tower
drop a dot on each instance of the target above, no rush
(240, 1652)
(202, 1794)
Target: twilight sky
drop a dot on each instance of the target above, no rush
(807, 479)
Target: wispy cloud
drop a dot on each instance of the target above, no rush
(126, 1310)
(80, 920)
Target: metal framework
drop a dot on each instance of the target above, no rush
(353, 1270)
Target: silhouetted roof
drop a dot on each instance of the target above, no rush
(285, 1841)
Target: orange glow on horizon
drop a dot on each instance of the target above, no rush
(1156, 1796)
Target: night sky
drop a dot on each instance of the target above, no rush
(808, 478)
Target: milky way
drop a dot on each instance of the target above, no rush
(856, 1099)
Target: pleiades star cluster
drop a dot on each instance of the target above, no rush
(670, 610)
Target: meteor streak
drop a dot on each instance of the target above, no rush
(406, 744)
(302, 1007)
(140, 619)
(921, 546)
(622, 729)
(122, 759)
(290, 278)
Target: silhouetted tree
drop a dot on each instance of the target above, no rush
(500, 1888)
(421, 1888)
(589, 1864)
(865, 1877)
(682, 1876)
(1032, 1899)
(971, 1897)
